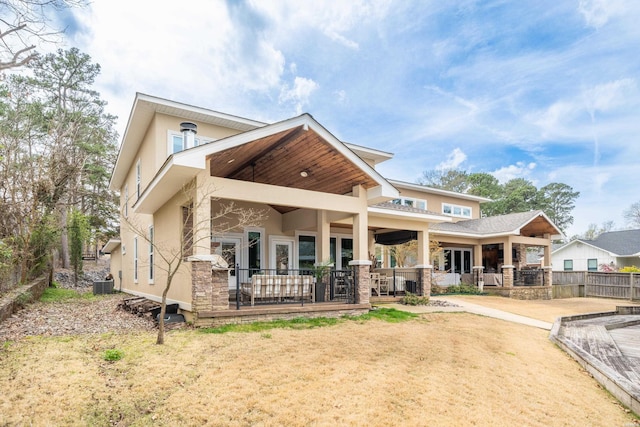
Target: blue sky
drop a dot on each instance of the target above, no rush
(545, 90)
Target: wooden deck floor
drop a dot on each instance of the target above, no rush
(611, 344)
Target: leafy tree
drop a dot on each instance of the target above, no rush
(632, 215)
(557, 201)
(25, 22)
(594, 231)
(450, 179)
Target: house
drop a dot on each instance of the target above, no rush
(324, 200)
(615, 249)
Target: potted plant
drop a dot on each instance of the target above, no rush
(320, 271)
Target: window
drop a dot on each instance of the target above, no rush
(456, 210)
(126, 200)
(151, 254)
(138, 179)
(187, 231)
(306, 252)
(407, 201)
(135, 260)
(592, 264)
(255, 242)
(175, 142)
(568, 265)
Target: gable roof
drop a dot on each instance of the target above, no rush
(142, 112)
(617, 243)
(270, 148)
(532, 223)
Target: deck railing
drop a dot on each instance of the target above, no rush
(402, 280)
(255, 287)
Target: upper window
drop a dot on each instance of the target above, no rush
(175, 142)
(456, 210)
(568, 265)
(592, 264)
(408, 201)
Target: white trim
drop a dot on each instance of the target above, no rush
(390, 213)
(126, 201)
(360, 262)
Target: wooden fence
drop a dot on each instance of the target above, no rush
(597, 284)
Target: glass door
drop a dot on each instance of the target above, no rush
(281, 255)
(229, 249)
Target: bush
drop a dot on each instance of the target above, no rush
(413, 299)
(463, 288)
(112, 355)
(630, 269)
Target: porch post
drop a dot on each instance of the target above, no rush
(361, 263)
(477, 266)
(201, 218)
(324, 238)
(423, 248)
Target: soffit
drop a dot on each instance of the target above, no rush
(280, 158)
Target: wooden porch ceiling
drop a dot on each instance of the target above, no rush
(284, 158)
(538, 227)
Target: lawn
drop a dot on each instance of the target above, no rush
(435, 369)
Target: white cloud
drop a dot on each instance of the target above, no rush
(597, 13)
(299, 94)
(454, 159)
(519, 170)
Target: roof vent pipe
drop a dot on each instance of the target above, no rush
(189, 131)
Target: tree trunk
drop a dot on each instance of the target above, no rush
(64, 239)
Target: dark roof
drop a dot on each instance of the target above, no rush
(491, 225)
(621, 243)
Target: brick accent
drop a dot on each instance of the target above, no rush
(548, 277)
(364, 283)
(210, 289)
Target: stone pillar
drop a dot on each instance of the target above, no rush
(507, 276)
(363, 280)
(548, 276)
(209, 287)
(425, 272)
(479, 273)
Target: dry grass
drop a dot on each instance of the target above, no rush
(442, 369)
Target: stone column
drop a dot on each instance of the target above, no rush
(507, 276)
(209, 287)
(363, 280)
(425, 272)
(548, 275)
(479, 272)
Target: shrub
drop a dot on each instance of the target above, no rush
(630, 269)
(413, 299)
(463, 288)
(112, 355)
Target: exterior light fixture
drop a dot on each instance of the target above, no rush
(304, 174)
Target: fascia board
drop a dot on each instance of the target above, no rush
(432, 190)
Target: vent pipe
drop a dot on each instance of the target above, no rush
(189, 131)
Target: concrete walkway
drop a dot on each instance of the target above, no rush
(471, 308)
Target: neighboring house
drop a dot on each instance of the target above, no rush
(325, 201)
(615, 248)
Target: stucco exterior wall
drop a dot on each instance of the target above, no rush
(435, 201)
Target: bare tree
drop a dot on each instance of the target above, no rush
(632, 215)
(169, 256)
(25, 23)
